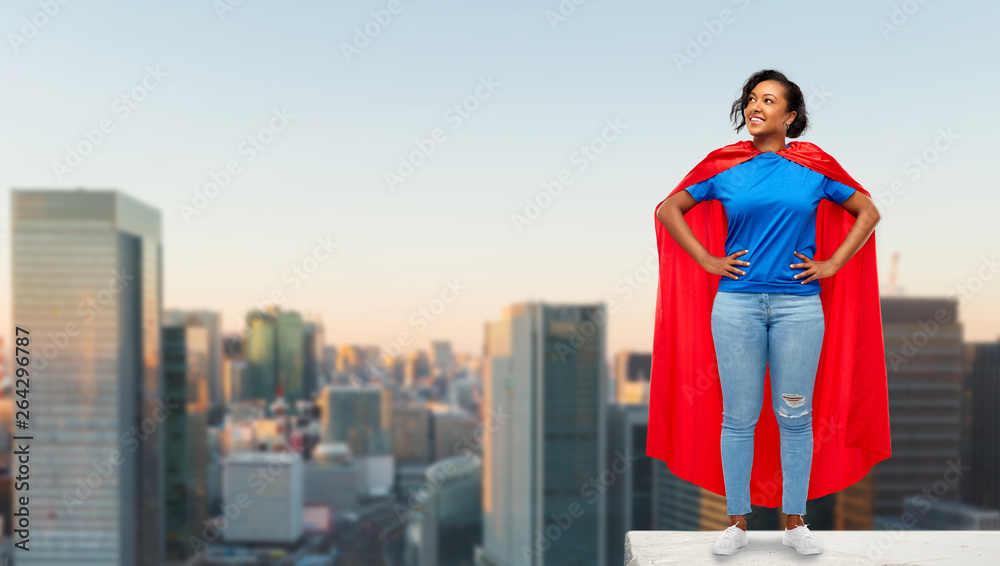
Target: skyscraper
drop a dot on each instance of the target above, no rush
(981, 442)
(186, 362)
(211, 322)
(923, 350)
(544, 457)
(312, 351)
(86, 281)
(291, 357)
(261, 351)
(631, 501)
(274, 355)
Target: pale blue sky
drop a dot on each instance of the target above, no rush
(322, 176)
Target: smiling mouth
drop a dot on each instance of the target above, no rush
(756, 120)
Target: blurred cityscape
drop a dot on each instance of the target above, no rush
(150, 437)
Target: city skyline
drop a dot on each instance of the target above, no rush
(314, 141)
(220, 219)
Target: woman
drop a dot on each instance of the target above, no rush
(774, 208)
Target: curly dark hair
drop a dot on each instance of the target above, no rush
(793, 96)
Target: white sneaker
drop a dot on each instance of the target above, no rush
(802, 540)
(731, 540)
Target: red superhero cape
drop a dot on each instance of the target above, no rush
(850, 399)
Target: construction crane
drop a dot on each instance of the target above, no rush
(892, 274)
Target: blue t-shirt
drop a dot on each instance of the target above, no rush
(770, 205)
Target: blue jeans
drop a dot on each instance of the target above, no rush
(751, 332)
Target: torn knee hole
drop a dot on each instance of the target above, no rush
(783, 413)
(793, 400)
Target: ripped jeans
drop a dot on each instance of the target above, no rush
(752, 331)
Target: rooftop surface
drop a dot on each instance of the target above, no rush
(859, 548)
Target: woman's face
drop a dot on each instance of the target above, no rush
(765, 111)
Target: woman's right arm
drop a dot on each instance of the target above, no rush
(671, 214)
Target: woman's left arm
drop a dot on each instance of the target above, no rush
(867, 216)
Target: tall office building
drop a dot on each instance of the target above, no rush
(630, 497)
(291, 358)
(87, 285)
(312, 357)
(187, 360)
(260, 349)
(545, 387)
(213, 476)
(274, 356)
(444, 520)
(211, 322)
(981, 442)
(923, 349)
(235, 388)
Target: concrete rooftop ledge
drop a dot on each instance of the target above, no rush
(858, 548)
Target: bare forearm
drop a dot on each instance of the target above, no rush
(673, 220)
(863, 227)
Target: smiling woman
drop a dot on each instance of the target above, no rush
(771, 110)
(756, 216)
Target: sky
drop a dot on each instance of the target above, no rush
(390, 151)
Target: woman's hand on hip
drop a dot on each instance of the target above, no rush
(814, 269)
(726, 265)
